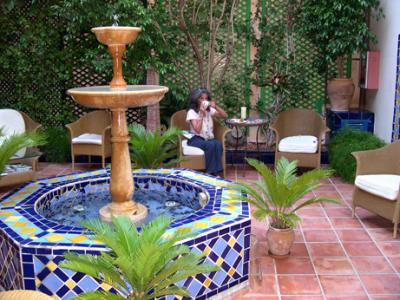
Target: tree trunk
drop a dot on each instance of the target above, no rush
(153, 111)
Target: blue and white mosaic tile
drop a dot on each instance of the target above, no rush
(32, 246)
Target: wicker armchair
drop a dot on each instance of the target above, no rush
(197, 162)
(91, 135)
(382, 168)
(31, 158)
(299, 122)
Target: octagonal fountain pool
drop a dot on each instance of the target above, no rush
(33, 237)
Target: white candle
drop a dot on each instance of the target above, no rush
(243, 112)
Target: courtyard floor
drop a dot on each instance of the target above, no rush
(334, 256)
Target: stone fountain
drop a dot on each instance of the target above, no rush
(118, 97)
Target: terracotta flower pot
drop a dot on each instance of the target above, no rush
(340, 93)
(280, 240)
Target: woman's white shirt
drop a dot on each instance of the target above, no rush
(207, 128)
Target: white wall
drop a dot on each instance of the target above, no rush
(381, 102)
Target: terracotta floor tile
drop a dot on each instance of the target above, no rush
(353, 297)
(298, 237)
(327, 187)
(390, 248)
(382, 234)
(315, 223)
(381, 284)
(363, 213)
(389, 297)
(375, 221)
(341, 212)
(351, 235)
(247, 294)
(294, 265)
(262, 265)
(395, 262)
(320, 235)
(312, 212)
(259, 249)
(332, 266)
(326, 249)
(305, 297)
(264, 284)
(371, 264)
(345, 223)
(361, 249)
(299, 285)
(341, 285)
(298, 250)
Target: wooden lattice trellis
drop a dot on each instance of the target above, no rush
(55, 95)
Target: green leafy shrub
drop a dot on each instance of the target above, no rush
(346, 142)
(140, 265)
(58, 147)
(276, 195)
(153, 149)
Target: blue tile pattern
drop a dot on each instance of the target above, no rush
(396, 114)
(221, 228)
(356, 119)
(10, 264)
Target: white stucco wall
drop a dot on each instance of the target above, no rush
(381, 102)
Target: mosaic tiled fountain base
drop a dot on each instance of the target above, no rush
(32, 247)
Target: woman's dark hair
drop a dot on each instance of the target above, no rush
(195, 95)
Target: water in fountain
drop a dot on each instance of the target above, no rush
(71, 207)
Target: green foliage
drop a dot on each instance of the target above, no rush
(44, 43)
(337, 27)
(150, 261)
(152, 150)
(343, 144)
(206, 37)
(58, 147)
(12, 144)
(278, 195)
(277, 67)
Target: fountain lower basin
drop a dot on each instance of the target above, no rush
(32, 246)
(106, 97)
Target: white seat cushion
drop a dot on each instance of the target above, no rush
(87, 138)
(190, 150)
(299, 144)
(382, 185)
(12, 122)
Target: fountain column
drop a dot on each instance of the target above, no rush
(118, 97)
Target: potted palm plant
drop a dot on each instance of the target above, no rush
(279, 196)
(140, 265)
(152, 150)
(338, 28)
(12, 144)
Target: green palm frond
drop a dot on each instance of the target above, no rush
(153, 149)
(149, 261)
(98, 295)
(12, 144)
(276, 195)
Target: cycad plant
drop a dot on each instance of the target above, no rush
(141, 265)
(277, 195)
(12, 144)
(153, 149)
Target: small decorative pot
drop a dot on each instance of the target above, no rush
(280, 240)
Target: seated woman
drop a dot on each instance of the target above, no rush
(201, 111)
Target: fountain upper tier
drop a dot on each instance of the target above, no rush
(116, 35)
(106, 97)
